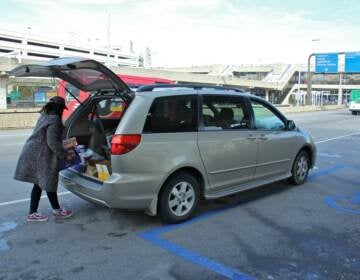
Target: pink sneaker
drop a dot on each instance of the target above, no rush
(36, 217)
(62, 213)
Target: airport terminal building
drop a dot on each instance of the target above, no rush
(285, 84)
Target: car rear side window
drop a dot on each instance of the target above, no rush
(172, 114)
(224, 112)
(75, 92)
(110, 108)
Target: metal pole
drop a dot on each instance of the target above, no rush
(308, 95)
(299, 92)
(108, 38)
(340, 91)
(3, 93)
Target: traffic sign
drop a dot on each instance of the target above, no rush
(326, 63)
(352, 62)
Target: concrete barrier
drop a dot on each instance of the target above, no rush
(26, 118)
(18, 118)
(302, 109)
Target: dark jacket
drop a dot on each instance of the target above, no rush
(39, 159)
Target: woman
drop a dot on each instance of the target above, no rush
(39, 159)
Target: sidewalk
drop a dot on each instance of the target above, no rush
(302, 109)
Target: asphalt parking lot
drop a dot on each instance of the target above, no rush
(274, 232)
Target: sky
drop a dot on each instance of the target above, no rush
(198, 32)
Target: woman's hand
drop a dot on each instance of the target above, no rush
(70, 155)
(70, 143)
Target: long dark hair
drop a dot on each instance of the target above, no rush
(51, 108)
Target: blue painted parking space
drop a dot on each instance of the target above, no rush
(154, 236)
(345, 203)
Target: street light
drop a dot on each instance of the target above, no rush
(313, 45)
(309, 76)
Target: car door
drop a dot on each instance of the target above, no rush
(226, 145)
(276, 144)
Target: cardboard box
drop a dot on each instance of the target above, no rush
(91, 171)
(103, 162)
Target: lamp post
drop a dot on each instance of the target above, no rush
(309, 76)
(147, 57)
(108, 39)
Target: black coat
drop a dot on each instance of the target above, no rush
(39, 159)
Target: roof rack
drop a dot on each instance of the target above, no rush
(190, 86)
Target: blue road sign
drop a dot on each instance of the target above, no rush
(326, 63)
(352, 62)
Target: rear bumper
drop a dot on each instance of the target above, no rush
(354, 107)
(133, 192)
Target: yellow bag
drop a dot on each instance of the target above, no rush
(103, 172)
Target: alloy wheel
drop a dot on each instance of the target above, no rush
(302, 168)
(181, 199)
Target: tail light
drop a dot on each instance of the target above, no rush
(124, 143)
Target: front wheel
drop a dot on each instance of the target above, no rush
(300, 168)
(179, 198)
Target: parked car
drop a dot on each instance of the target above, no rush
(173, 146)
(354, 104)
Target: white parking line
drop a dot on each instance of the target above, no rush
(14, 135)
(27, 199)
(14, 144)
(339, 137)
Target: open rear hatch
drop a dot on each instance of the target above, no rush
(95, 78)
(85, 74)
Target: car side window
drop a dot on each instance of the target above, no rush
(265, 118)
(110, 108)
(172, 114)
(73, 90)
(224, 113)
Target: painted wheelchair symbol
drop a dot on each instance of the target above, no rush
(343, 203)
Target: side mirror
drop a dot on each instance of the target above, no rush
(290, 125)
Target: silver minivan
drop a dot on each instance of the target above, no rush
(171, 146)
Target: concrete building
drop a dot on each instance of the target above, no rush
(278, 83)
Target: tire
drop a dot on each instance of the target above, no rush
(354, 112)
(300, 169)
(179, 198)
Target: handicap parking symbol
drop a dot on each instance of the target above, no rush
(345, 204)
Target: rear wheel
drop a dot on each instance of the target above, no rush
(179, 198)
(300, 168)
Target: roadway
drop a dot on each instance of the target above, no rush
(274, 232)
